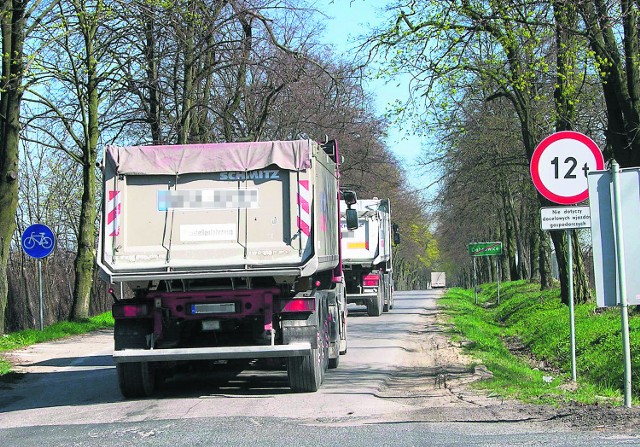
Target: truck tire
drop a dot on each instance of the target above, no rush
(344, 346)
(374, 307)
(307, 373)
(334, 356)
(136, 379)
(389, 298)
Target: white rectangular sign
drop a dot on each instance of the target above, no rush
(603, 235)
(565, 217)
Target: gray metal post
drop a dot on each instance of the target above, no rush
(475, 282)
(498, 275)
(40, 293)
(624, 306)
(572, 316)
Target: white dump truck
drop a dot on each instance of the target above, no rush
(367, 255)
(224, 252)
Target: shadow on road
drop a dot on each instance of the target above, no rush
(92, 380)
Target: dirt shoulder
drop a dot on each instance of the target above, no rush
(438, 382)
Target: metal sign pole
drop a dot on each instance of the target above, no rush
(40, 293)
(475, 282)
(622, 281)
(498, 276)
(572, 318)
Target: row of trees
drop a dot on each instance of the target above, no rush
(491, 79)
(80, 74)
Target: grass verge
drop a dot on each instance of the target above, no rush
(56, 331)
(524, 341)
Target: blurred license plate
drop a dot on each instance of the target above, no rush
(213, 308)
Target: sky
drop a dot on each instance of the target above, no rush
(348, 19)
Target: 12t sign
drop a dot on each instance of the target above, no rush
(560, 164)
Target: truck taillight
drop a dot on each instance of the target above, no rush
(371, 280)
(300, 305)
(130, 311)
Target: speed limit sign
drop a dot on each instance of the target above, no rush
(560, 164)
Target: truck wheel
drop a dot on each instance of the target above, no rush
(389, 305)
(343, 347)
(334, 357)
(374, 307)
(136, 379)
(307, 373)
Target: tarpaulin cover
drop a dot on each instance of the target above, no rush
(218, 157)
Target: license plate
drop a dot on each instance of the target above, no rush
(213, 308)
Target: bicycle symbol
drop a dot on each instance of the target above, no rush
(38, 239)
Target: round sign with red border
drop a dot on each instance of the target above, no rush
(560, 164)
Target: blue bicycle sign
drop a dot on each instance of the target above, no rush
(38, 241)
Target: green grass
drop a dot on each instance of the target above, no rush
(538, 323)
(56, 331)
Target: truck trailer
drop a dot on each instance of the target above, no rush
(224, 252)
(367, 256)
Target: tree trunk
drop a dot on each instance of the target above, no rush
(85, 259)
(523, 268)
(534, 255)
(510, 242)
(13, 29)
(546, 278)
(151, 69)
(581, 291)
(184, 131)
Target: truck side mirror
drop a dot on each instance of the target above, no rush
(329, 148)
(352, 218)
(396, 234)
(349, 197)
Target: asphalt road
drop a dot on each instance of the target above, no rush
(69, 396)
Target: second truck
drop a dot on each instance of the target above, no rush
(224, 252)
(367, 256)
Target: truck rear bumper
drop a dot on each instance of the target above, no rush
(298, 349)
(361, 297)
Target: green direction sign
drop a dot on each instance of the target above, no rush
(485, 248)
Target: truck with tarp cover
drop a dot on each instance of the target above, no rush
(367, 256)
(220, 253)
